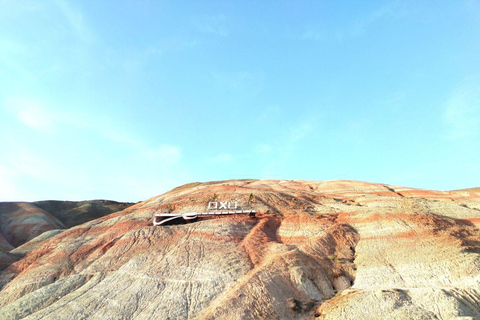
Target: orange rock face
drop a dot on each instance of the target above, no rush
(328, 250)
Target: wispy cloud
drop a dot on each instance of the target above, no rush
(76, 20)
(47, 117)
(214, 24)
(30, 113)
(300, 131)
(132, 172)
(268, 114)
(163, 155)
(315, 35)
(12, 58)
(355, 28)
(462, 111)
(391, 9)
(24, 170)
(263, 148)
(295, 136)
(245, 83)
(473, 5)
(63, 46)
(220, 158)
(31, 164)
(136, 60)
(26, 162)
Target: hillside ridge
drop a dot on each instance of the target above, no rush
(314, 249)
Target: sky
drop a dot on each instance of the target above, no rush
(125, 100)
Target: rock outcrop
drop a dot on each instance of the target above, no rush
(328, 250)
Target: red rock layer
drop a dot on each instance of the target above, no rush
(334, 250)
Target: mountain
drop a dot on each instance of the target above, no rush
(324, 250)
(20, 222)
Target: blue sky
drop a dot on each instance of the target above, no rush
(125, 100)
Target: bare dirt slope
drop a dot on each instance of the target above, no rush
(328, 250)
(20, 222)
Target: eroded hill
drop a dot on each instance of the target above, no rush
(22, 222)
(328, 250)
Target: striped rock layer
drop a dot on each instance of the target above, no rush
(313, 250)
(22, 223)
